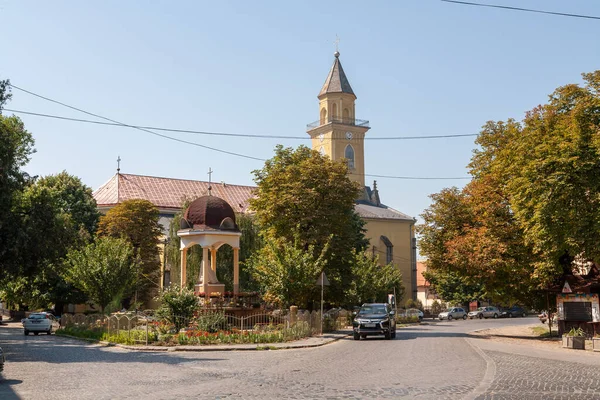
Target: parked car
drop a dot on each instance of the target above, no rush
(453, 313)
(514, 311)
(414, 312)
(2, 360)
(40, 322)
(485, 312)
(374, 319)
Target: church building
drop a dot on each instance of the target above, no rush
(338, 134)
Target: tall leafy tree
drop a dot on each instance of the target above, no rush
(137, 222)
(286, 272)
(103, 270)
(304, 198)
(373, 282)
(16, 148)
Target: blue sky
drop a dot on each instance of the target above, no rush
(418, 68)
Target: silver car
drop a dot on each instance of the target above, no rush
(453, 313)
(40, 322)
(485, 312)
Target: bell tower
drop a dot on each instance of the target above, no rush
(338, 133)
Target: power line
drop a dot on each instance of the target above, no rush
(135, 127)
(117, 123)
(421, 178)
(87, 121)
(468, 3)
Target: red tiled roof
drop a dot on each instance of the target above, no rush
(168, 192)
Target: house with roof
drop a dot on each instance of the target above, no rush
(338, 134)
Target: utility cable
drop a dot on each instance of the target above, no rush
(117, 123)
(87, 121)
(468, 3)
(138, 128)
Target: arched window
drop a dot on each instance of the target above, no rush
(323, 119)
(334, 111)
(389, 249)
(349, 155)
(346, 116)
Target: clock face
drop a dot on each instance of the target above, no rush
(321, 137)
(348, 135)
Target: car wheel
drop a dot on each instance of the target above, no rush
(356, 336)
(510, 315)
(449, 317)
(363, 336)
(480, 316)
(394, 334)
(26, 332)
(388, 335)
(465, 316)
(36, 333)
(495, 315)
(49, 331)
(524, 315)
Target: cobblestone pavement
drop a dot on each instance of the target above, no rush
(435, 361)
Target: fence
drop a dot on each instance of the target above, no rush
(207, 327)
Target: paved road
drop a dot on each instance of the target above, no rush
(435, 361)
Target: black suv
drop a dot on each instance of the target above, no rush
(374, 319)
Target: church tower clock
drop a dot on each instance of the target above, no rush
(338, 133)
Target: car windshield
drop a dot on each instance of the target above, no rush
(449, 310)
(37, 316)
(481, 309)
(372, 310)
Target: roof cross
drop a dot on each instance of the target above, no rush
(118, 164)
(337, 42)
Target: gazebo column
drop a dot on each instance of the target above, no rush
(236, 271)
(213, 259)
(205, 268)
(183, 271)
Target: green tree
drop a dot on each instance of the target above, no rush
(137, 222)
(286, 273)
(373, 282)
(177, 306)
(16, 148)
(103, 270)
(306, 198)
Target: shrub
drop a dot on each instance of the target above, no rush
(212, 322)
(177, 306)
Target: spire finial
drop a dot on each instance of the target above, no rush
(337, 42)
(118, 164)
(210, 171)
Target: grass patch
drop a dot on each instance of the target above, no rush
(542, 332)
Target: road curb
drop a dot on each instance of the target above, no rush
(191, 348)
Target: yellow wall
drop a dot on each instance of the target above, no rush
(400, 234)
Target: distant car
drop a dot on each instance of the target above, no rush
(374, 319)
(414, 312)
(485, 312)
(476, 313)
(453, 313)
(514, 311)
(2, 360)
(40, 322)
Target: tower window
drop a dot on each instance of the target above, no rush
(334, 110)
(346, 116)
(323, 120)
(349, 155)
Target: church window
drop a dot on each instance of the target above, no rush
(323, 119)
(349, 155)
(389, 249)
(334, 110)
(346, 116)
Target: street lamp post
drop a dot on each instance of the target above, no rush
(322, 280)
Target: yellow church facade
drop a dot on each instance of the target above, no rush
(338, 134)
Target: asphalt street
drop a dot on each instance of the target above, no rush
(431, 361)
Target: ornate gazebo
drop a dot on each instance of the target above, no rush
(209, 221)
